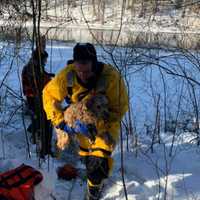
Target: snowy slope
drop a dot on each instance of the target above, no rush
(146, 176)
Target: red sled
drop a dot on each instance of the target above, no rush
(18, 183)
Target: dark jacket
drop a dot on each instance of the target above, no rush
(34, 77)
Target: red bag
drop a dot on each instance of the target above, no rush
(18, 183)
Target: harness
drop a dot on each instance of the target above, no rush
(18, 183)
(70, 84)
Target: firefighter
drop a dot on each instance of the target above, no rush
(81, 77)
(34, 78)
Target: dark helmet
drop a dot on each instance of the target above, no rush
(43, 56)
(84, 52)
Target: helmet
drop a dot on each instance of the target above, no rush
(84, 52)
(36, 56)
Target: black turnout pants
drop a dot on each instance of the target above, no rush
(97, 169)
(41, 128)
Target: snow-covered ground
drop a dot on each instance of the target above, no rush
(148, 175)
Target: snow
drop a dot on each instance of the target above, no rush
(64, 22)
(148, 175)
(145, 175)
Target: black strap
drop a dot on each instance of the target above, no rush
(14, 173)
(70, 82)
(4, 179)
(20, 182)
(83, 94)
(68, 97)
(3, 197)
(70, 62)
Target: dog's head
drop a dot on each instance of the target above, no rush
(98, 106)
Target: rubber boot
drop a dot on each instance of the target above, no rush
(93, 192)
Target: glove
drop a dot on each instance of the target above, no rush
(87, 130)
(63, 126)
(81, 127)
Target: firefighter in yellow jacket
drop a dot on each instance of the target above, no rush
(81, 77)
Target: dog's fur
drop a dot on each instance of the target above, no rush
(89, 110)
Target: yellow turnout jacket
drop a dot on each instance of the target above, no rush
(110, 81)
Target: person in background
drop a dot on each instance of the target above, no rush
(34, 78)
(84, 76)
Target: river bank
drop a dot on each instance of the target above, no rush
(166, 28)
